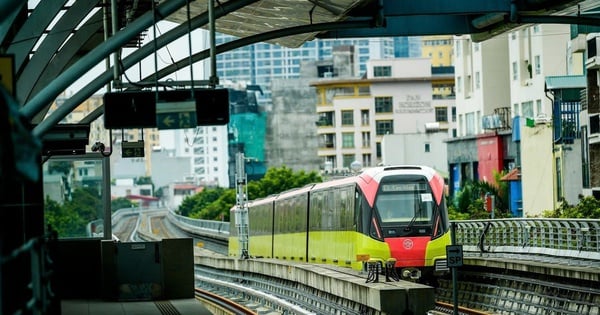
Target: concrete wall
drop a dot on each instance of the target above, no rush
(291, 138)
(410, 149)
(537, 169)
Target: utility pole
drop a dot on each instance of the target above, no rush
(241, 212)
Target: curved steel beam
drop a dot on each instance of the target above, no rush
(50, 46)
(65, 79)
(6, 22)
(128, 62)
(261, 38)
(32, 30)
(241, 43)
(67, 53)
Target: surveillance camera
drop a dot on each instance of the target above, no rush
(98, 146)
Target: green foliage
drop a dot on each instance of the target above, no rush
(144, 180)
(215, 203)
(65, 220)
(60, 167)
(120, 203)
(468, 203)
(71, 218)
(587, 208)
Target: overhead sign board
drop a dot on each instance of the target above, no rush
(454, 256)
(166, 109)
(132, 149)
(130, 109)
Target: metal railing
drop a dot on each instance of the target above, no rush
(564, 241)
(40, 265)
(217, 229)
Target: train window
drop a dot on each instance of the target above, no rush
(405, 206)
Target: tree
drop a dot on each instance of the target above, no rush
(120, 203)
(215, 203)
(587, 208)
(61, 167)
(469, 201)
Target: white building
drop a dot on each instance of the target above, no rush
(482, 81)
(356, 114)
(207, 148)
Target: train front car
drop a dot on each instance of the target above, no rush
(411, 215)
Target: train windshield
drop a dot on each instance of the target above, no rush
(406, 203)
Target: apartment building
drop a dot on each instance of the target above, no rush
(354, 114)
(517, 94)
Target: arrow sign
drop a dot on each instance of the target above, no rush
(454, 255)
(176, 115)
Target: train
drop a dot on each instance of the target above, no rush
(381, 214)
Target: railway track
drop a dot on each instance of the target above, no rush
(224, 305)
(447, 308)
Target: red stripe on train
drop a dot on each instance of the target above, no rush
(408, 251)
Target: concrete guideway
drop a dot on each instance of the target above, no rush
(345, 287)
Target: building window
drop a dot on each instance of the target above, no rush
(470, 124)
(347, 140)
(516, 111)
(366, 160)
(538, 65)
(364, 117)
(378, 149)
(384, 127)
(477, 80)
(538, 107)
(453, 113)
(515, 71)
(527, 109)
(348, 159)
(427, 147)
(441, 114)
(366, 139)
(347, 118)
(383, 104)
(382, 71)
(459, 84)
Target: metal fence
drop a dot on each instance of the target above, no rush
(218, 229)
(567, 241)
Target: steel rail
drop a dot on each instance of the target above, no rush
(222, 303)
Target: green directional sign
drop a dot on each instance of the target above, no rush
(176, 115)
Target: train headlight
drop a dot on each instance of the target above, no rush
(411, 273)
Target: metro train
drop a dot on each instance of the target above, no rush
(383, 213)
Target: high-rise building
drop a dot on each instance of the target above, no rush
(260, 63)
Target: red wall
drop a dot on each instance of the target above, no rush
(490, 156)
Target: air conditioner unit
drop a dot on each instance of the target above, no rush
(432, 126)
(593, 51)
(542, 119)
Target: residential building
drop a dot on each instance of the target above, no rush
(590, 114)
(477, 150)
(518, 103)
(206, 148)
(395, 97)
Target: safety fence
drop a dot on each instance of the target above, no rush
(565, 241)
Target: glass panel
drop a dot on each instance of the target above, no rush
(74, 195)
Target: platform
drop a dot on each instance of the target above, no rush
(101, 307)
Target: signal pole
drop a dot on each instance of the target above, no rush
(241, 213)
